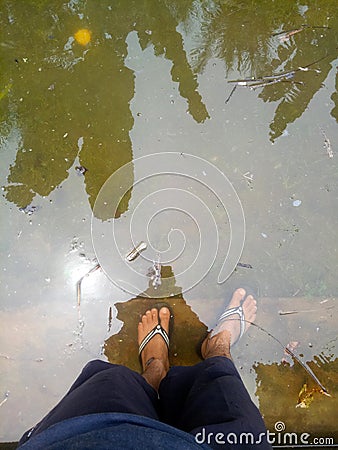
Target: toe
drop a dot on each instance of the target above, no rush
(250, 304)
(144, 319)
(154, 317)
(237, 297)
(165, 317)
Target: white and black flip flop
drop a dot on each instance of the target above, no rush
(229, 312)
(156, 330)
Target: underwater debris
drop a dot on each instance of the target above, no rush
(288, 76)
(292, 345)
(305, 396)
(110, 318)
(246, 266)
(81, 170)
(231, 94)
(83, 36)
(78, 284)
(284, 36)
(327, 144)
(290, 352)
(155, 273)
(29, 209)
(135, 252)
(5, 399)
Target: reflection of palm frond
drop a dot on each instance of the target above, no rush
(293, 93)
(202, 20)
(246, 37)
(240, 35)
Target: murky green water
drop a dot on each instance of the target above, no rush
(155, 78)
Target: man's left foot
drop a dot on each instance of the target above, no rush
(154, 356)
(219, 341)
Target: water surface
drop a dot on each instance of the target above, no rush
(155, 78)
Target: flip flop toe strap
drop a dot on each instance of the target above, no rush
(229, 312)
(156, 330)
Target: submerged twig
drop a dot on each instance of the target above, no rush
(78, 284)
(294, 311)
(263, 81)
(231, 93)
(135, 252)
(284, 36)
(110, 318)
(291, 353)
(246, 266)
(5, 399)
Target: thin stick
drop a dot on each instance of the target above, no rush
(294, 311)
(284, 76)
(110, 318)
(305, 367)
(78, 284)
(5, 399)
(302, 27)
(231, 93)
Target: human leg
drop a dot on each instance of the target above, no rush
(154, 355)
(114, 389)
(104, 387)
(210, 397)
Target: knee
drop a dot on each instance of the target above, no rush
(96, 365)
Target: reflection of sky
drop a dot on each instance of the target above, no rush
(41, 332)
(292, 250)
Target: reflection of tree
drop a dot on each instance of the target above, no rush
(334, 97)
(241, 34)
(168, 41)
(62, 93)
(295, 96)
(59, 93)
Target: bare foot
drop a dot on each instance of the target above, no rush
(154, 357)
(219, 341)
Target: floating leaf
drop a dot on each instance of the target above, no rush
(83, 36)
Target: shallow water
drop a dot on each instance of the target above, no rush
(155, 79)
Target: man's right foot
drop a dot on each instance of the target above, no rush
(219, 341)
(154, 356)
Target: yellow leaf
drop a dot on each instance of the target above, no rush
(83, 36)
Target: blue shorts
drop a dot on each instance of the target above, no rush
(204, 400)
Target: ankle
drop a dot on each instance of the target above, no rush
(154, 372)
(216, 346)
